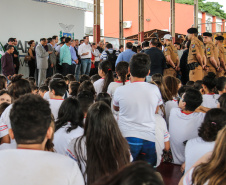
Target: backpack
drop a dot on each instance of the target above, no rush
(112, 58)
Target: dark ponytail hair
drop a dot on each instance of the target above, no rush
(210, 81)
(122, 70)
(3, 81)
(106, 67)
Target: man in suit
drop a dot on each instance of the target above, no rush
(42, 60)
(78, 66)
(52, 58)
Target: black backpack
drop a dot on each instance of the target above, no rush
(112, 58)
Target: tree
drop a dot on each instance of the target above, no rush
(213, 8)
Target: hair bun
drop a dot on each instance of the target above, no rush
(16, 78)
(211, 75)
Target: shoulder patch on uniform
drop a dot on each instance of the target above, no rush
(193, 45)
(208, 49)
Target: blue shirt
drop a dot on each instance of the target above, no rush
(65, 55)
(73, 55)
(125, 56)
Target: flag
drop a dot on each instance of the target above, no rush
(2, 51)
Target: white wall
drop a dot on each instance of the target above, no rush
(31, 20)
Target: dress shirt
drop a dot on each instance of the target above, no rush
(84, 48)
(104, 55)
(96, 53)
(73, 55)
(65, 55)
(7, 64)
(125, 56)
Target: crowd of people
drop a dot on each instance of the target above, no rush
(94, 115)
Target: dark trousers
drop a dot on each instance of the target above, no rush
(72, 69)
(65, 69)
(32, 67)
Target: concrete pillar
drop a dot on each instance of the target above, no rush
(223, 25)
(121, 22)
(141, 20)
(196, 11)
(203, 26)
(96, 17)
(214, 25)
(172, 18)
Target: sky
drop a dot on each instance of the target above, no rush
(221, 2)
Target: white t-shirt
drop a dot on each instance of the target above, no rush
(62, 138)
(26, 167)
(5, 123)
(137, 104)
(55, 106)
(162, 136)
(188, 178)
(195, 149)
(182, 127)
(111, 90)
(168, 106)
(210, 100)
(46, 95)
(11, 145)
(98, 85)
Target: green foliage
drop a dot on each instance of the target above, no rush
(213, 8)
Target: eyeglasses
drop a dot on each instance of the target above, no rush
(180, 98)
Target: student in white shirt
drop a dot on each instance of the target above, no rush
(214, 121)
(84, 51)
(69, 124)
(16, 89)
(137, 103)
(162, 137)
(209, 84)
(101, 150)
(57, 88)
(106, 74)
(30, 118)
(184, 123)
(210, 169)
(122, 72)
(172, 85)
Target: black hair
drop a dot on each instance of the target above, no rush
(94, 78)
(121, 46)
(109, 45)
(11, 40)
(74, 86)
(215, 120)
(71, 77)
(31, 79)
(106, 67)
(157, 77)
(30, 42)
(82, 40)
(159, 45)
(190, 83)
(140, 65)
(59, 86)
(134, 49)
(67, 39)
(122, 70)
(210, 81)
(198, 84)
(3, 81)
(47, 80)
(222, 101)
(70, 111)
(66, 78)
(33, 86)
(18, 87)
(61, 39)
(145, 44)
(43, 88)
(86, 99)
(193, 99)
(54, 37)
(105, 97)
(3, 106)
(42, 39)
(83, 78)
(129, 45)
(93, 44)
(183, 89)
(154, 42)
(87, 86)
(58, 75)
(136, 173)
(9, 47)
(30, 118)
(221, 83)
(85, 37)
(49, 40)
(4, 92)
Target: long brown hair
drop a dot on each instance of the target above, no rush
(215, 169)
(172, 84)
(107, 150)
